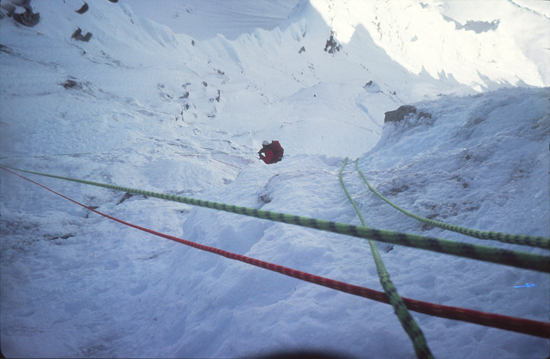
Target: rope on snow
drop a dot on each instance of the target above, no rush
(405, 318)
(533, 241)
(525, 326)
(473, 251)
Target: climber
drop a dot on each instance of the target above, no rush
(271, 152)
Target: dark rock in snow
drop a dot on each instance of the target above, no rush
(5, 49)
(423, 114)
(126, 196)
(332, 45)
(83, 9)
(78, 32)
(265, 198)
(28, 18)
(399, 114)
(77, 35)
(86, 37)
(71, 84)
(303, 49)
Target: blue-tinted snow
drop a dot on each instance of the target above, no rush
(151, 106)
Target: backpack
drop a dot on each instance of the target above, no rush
(278, 151)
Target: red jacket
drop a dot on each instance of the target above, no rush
(273, 153)
(268, 158)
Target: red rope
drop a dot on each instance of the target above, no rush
(225, 163)
(525, 326)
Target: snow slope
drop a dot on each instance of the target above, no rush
(181, 111)
(496, 42)
(203, 20)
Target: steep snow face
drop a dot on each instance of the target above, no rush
(474, 150)
(541, 7)
(481, 45)
(496, 44)
(205, 19)
(144, 107)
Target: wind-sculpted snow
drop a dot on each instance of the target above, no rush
(488, 39)
(143, 106)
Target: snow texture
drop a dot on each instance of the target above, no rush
(158, 101)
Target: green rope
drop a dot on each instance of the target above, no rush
(405, 318)
(533, 241)
(487, 254)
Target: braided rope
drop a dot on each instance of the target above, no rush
(519, 325)
(482, 253)
(533, 241)
(405, 318)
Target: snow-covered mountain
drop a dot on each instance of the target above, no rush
(176, 97)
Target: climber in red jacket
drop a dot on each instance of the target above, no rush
(271, 152)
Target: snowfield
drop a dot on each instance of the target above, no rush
(177, 98)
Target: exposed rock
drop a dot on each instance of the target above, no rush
(71, 84)
(423, 114)
(126, 196)
(5, 49)
(28, 18)
(83, 9)
(77, 35)
(399, 114)
(265, 198)
(332, 45)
